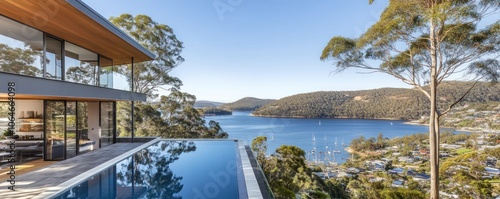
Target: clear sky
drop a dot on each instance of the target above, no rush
(258, 48)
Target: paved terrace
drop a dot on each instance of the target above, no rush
(56, 176)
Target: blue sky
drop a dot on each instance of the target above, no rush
(257, 48)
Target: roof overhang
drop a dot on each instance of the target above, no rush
(75, 22)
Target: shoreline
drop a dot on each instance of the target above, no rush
(350, 150)
(463, 129)
(340, 117)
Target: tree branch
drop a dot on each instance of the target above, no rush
(456, 102)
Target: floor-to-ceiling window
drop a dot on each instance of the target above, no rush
(53, 58)
(105, 72)
(107, 123)
(86, 142)
(55, 112)
(71, 128)
(21, 48)
(67, 127)
(80, 64)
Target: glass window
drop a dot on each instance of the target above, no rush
(107, 123)
(4, 116)
(105, 72)
(55, 114)
(71, 122)
(121, 77)
(86, 142)
(80, 64)
(53, 58)
(21, 48)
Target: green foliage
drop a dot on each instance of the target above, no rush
(463, 151)
(423, 43)
(259, 146)
(493, 152)
(394, 103)
(214, 111)
(401, 194)
(451, 138)
(159, 39)
(361, 144)
(19, 60)
(172, 117)
(288, 175)
(8, 132)
(246, 104)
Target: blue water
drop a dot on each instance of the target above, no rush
(300, 132)
(168, 169)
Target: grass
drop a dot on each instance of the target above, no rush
(463, 150)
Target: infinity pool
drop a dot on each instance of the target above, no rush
(170, 169)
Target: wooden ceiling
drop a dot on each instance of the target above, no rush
(63, 20)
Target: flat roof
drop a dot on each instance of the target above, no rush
(76, 22)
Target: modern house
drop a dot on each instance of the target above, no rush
(69, 65)
(63, 57)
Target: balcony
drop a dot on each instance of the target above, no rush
(29, 52)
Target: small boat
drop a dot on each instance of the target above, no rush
(336, 150)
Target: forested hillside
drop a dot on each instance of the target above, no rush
(384, 103)
(246, 104)
(203, 104)
(208, 111)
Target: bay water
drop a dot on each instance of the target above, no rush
(309, 134)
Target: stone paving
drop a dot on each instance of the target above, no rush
(54, 177)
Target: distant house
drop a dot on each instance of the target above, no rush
(376, 179)
(444, 155)
(421, 177)
(423, 152)
(376, 165)
(354, 170)
(491, 161)
(398, 183)
(492, 171)
(399, 171)
(406, 159)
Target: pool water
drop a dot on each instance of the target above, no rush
(169, 169)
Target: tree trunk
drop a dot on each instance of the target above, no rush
(433, 123)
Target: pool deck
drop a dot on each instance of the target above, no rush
(54, 177)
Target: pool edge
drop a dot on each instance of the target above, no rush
(52, 192)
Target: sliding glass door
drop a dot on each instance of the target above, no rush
(71, 122)
(84, 142)
(67, 128)
(55, 112)
(107, 123)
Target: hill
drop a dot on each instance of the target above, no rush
(246, 104)
(204, 103)
(211, 111)
(384, 103)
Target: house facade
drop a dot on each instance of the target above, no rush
(70, 66)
